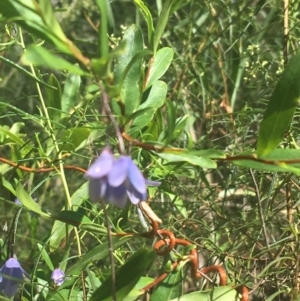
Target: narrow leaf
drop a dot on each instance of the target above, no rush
(28, 202)
(39, 56)
(126, 276)
(159, 65)
(221, 293)
(170, 288)
(147, 16)
(203, 162)
(281, 108)
(70, 93)
(130, 91)
(161, 23)
(46, 257)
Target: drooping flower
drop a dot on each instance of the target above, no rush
(11, 275)
(58, 276)
(115, 180)
(97, 174)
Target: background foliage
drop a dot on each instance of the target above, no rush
(210, 78)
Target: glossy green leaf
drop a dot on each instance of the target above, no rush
(127, 276)
(203, 162)
(28, 202)
(171, 115)
(147, 16)
(74, 218)
(53, 100)
(221, 293)
(70, 93)
(281, 108)
(39, 56)
(103, 33)
(159, 65)
(137, 290)
(130, 91)
(155, 100)
(161, 23)
(276, 161)
(170, 287)
(5, 131)
(46, 257)
(72, 138)
(93, 228)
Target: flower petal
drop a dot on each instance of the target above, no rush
(97, 189)
(136, 178)
(9, 288)
(58, 276)
(11, 275)
(135, 197)
(118, 173)
(101, 166)
(116, 195)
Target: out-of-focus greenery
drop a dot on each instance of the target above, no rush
(228, 59)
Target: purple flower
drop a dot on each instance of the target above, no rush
(11, 274)
(58, 277)
(115, 180)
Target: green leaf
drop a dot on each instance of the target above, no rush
(272, 161)
(72, 138)
(13, 137)
(72, 217)
(126, 276)
(147, 16)
(159, 65)
(203, 162)
(46, 257)
(171, 113)
(130, 91)
(155, 100)
(221, 293)
(281, 108)
(171, 287)
(70, 93)
(28, 202)
(103, 33)
(161, 23)
(39, 56)
(93, 228)
(53, 99)
(137, 290)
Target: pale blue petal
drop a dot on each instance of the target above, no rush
(10, 289)
(12, 263)
(101, 166)
(97, 189)
(136, 178)
(58, 276)
(134, 198)
(118, 173)
(116, 195)
(11, 275)
(134, 195)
